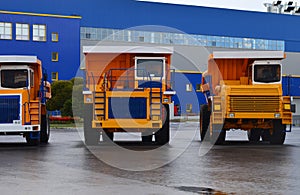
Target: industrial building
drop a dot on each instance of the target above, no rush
(54, 39)
(193, 31)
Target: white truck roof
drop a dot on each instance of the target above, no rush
(127, 49)
(18, 58)
(248, 54)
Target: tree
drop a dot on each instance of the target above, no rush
(61, 92)
(77, 97)
(67, 97)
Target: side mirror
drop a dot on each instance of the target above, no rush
(45, 76)
(293, 108)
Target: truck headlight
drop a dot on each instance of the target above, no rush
(217, 107)
(231, 115)
(287, 106)
(166, 100)
(277, 115)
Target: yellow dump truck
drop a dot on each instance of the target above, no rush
(23, 94)
(243, 91)
(128, 89)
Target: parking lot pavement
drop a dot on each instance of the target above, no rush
(66, 166)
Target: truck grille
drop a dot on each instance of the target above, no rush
(254, 104)
(9, 108)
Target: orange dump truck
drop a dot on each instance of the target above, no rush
(23, 94)
(244, 91)
(128, 89)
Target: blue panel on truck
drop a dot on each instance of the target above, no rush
(135, 108)
(285, 86)
(10, 107)
(149, 84)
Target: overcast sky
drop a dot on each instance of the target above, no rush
(252, 5)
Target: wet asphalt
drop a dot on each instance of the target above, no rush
(185, 166)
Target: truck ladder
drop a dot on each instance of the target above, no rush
(99, 102)
(155, 103)
(34, 112)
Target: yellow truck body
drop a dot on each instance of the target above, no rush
(23, 94)
(128, 89)
(244, 91)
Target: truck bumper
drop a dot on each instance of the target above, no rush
(128, 124)
(11, 128)
(286, 117)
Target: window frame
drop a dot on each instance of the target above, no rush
(189, 87)
(189, 108)
(21, 35)
(56, 56)
(56, 39)
(4, 31)
(55, 77)
(38, 30)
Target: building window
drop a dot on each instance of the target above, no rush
(198, 87)
(5, 30)
(88, 35)
(189, 108)
(54, 37)
(54, 76)
(189, 87)
(22, 31)
(54, 56)
(39, 32)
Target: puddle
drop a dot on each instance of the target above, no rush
(201, 190)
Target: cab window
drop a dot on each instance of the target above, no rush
(14, 78)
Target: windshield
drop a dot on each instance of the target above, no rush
(150, 67)
(14, 78)
(267, 73)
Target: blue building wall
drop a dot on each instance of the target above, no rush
(121, 14)
(291, 86)
(68, 45)
(184, 97)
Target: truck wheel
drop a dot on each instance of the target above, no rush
(218, 134)
(265, 135)
(45, 129)
(162, 136)
(278, 135)
(91, 136)
(33, 139)
(254, 135)
(146, 137)
(204, 121)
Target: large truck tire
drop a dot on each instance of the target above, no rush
(147, 137)
(33, 138)
(204, 121)
(278, 135)
(45, 129)
(218, 134)
(91, 136)
(266, 135)
(162, 136)
(254, 135)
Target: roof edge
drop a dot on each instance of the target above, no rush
(39, 14)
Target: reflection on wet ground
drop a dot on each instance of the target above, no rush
(67, 166)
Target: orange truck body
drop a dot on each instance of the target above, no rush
(240, 96)
(128, 89)
(23, 95)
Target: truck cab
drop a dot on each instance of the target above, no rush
(23, 94)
